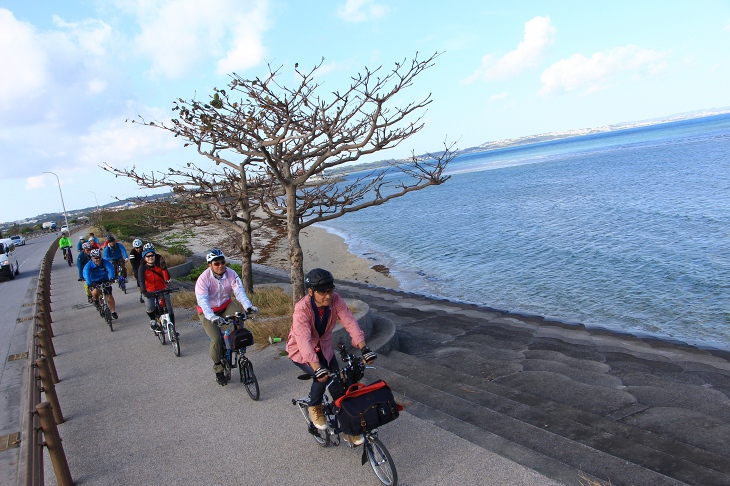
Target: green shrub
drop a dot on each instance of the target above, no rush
(179, 250)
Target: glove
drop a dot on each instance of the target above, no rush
(321, 373)
(252, 310)
(147, 294)
(367, 355)
(218, 321)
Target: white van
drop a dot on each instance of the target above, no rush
(8, 268)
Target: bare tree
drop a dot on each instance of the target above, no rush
(295, 134)
(298, 133)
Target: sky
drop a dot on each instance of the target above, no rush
(75, 71)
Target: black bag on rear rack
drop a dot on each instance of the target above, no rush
(363, 408)
(241, 338)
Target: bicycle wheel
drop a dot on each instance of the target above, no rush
(226, 366)
(161, 332)
(321, 436)
(108, 317)
(174, 339)
(248, 378)
(381, 462)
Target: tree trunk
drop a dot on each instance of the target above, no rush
(296, 255)
(246, 238)
(246, 257)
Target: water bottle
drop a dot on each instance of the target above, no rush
(226, 338)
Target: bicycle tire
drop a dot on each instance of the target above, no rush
(322, 437)
(161, 332)
(381, 462)
(226, 366)
(249, 378)
(108, 317)
(174, 339)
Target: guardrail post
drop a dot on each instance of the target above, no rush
(53, 442)
(45, 344)
(45, 302)
(49, 388)
(44, 324)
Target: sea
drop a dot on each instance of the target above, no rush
(626, 230)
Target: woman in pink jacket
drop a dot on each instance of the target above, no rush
(310, 340)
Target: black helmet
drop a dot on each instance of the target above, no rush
(319, 279)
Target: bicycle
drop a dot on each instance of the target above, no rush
(121, 280)
(374, 450)
(102, 305)
(68, 255)
(166, 328)
(236, 358)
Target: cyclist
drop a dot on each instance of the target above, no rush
(309, 344)
(152, 278)
(213, 293)
(65, 244)
(116, 253)
(83, 258)
(135, 258)
(94, 241)
(99, 271)
(79, 245)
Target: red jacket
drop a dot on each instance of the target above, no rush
(152, 279)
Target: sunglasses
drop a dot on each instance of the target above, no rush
(149, 256)
(218, 263)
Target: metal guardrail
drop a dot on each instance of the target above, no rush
(43, 417)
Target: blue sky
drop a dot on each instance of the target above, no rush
(74, 71)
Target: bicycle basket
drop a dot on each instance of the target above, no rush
(363, 408)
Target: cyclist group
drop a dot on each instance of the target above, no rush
(309, 344)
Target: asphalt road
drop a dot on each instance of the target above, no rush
(16, 301)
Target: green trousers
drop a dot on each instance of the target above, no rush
(216, 343)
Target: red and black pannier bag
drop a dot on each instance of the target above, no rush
(366, 407)
(241, 338)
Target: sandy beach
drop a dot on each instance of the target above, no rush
(321, 249)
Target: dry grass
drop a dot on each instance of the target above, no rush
(273, 319)
(586, 481)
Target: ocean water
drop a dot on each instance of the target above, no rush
(625, 230)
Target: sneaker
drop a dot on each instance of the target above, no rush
(355, 440)
(88, 297)
(220, 378)
(317, 415)
(141, 299)
(153, 325)
(81, 280)
(114, 315)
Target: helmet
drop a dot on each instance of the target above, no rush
(319, 279)
(214, 254)
(109, 237)
(147, 252)
(86, 246)
(148, 246)
(81, 238)
(95, 253)
(137, 243)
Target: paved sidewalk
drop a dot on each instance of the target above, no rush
(136, 414)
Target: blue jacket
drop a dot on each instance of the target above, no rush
(116, 253)
(94, 274)
(81, 262)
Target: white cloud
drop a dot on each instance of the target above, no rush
(579, 73)
(539, 35)
(35, 182)
(498, 96)
(117, 142)
(23, 55)
(361, 10)
(179, 35)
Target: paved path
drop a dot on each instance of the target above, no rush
(136, 414)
